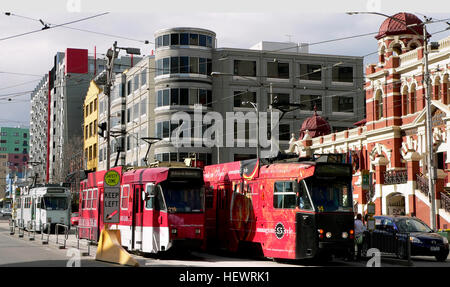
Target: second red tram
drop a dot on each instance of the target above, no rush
(160, 207)
(290, 210)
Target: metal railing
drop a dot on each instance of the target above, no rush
(21, 226)
(12, 227)
(49, 228)
(389, 244)
(445, 201)
(77, 234)
(31, 228)
(395, 177)
(422, 184)
(66, 234)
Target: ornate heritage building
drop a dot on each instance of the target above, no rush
(391, 142)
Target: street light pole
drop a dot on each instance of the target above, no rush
(428, 125)
(111, 55)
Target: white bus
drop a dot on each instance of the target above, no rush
(42, 205)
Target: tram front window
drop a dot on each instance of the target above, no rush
(183, 197)
(54, 203)
(330, 196)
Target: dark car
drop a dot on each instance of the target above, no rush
(74, 218)
(424, 241)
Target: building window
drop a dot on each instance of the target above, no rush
(193, 39)
(128, 115)
(343, 104)
(129, 87)
(245, 68)
(244, 96)
(136, 111)
(163, 129)
(284, 195)
(309, 102)
(284, 132)
(278, 70)
(143, 77)
(342, 74)
(310, 72)
(95, 105)
(174, 39)
(143, 107)
(136, 82)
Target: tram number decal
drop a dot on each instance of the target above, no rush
(279, 230)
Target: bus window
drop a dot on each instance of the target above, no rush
(284, 195)
(94, 198)
(124, 197)
(55, 203)
(303, 199)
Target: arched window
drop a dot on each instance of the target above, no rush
(413, 99)
(378, 105)
(405, 99)
(397, 49)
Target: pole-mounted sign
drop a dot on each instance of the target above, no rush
(111, 199)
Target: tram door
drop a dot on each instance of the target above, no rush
(221, 213)
(137, 221)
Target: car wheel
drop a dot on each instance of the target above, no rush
(441, 257)
(402, 252)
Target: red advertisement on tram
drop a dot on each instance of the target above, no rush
(287, 209)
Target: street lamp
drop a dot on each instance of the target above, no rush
(112, 54)
(431, 169)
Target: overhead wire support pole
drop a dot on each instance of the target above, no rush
(111, 54)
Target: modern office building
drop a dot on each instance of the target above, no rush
(57, 112)
(14, 148)
(186, 58)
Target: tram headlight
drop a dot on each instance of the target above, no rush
(197, 231)
(344, 235)
(328, 234)
(49, 219)
(174, 231)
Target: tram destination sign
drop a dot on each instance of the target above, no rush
(111, 198)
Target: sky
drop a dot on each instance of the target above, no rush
(237, 24)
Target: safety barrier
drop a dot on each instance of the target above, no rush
(66, 234)
(395, 243)
(21, 226)
(49, 228)
(31, 228)
(77, 234)
(12, 227)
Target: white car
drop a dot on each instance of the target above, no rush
(6, 211)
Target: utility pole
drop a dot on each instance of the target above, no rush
(429, 129)
(111, 55)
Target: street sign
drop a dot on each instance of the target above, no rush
(111, 199)
(371, 223)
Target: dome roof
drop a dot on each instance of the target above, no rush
(393, 27)
(315, 126)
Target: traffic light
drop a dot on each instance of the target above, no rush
(102, 129)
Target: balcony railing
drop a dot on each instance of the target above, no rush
(445, 201)
(395, 177)
(422, 184)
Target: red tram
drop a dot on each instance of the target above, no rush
(288, 209)
(160, 207)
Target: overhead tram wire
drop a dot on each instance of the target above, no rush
(50, 27)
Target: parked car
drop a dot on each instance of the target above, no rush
(424, 241)
(5, 211)
(74, 218)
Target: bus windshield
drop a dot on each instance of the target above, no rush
(183, 196)
(330, 195)
(55, 203)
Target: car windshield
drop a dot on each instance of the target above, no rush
(331, 195)
(55, 203)
(412, 225)
(183, 196)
